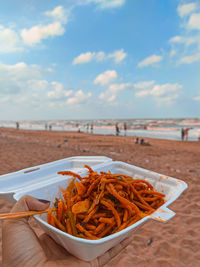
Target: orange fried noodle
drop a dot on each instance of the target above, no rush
(99, 205)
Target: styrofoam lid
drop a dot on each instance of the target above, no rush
(44, 174)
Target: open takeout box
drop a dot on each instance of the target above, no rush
(43, 182)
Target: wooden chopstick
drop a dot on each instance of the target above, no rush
(17, 215)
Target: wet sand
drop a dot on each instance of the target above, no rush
(175, 243)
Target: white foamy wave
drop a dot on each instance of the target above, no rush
(152, 128)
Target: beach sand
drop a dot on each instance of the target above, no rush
(155, 244)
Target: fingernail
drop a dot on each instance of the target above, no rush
(44, 201)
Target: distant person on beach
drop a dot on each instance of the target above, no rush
(46, 126)
(22, 247)
(182, 134)
(17, 125)
(91, 128)
(125, 128)
(136, 140)
(50, 127)
(117, 129)
(144, 143)
(186, 133)
(87, 127)
(141, 141)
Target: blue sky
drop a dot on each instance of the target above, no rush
(99, 59)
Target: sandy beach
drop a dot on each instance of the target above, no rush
(175, 243)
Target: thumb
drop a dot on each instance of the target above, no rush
(27, 203)
(20, 245)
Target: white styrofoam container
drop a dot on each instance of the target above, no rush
(38, 176)
(90, 249)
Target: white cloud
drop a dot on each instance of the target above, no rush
(84, 58)
(102, 96)
(88, 57)
(151, 60)
(79, 97)
(142, 93)
(23, 83)
(114, 88)
(165, 93)
(186, 9)
(100, 56)
(106, 4)
(35, 34)
(176, 39)
(197, 98)
(144, 85)
(59, 93)
(190, 59)
(9, 40)
(106, 77)
(187, 45)
(59, 14)
(186, 40)
(194, 21)
(188, 55)
(112, 91)
(167, 100)
(37, 85)
(117, 56)
(50, 70)
(14, 78)
(165, 89)
(111, 98)
(172, 53)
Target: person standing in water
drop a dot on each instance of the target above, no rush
(91, 128)
(182, 134)
(186, 133)
(125, 128)
(117, 129)
(87, 127)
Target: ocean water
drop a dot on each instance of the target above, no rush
(153, 128)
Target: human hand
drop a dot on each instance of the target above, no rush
(22, 247)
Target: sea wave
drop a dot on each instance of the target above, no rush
(152, 128)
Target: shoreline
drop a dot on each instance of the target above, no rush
(175, 243)
(166, 133)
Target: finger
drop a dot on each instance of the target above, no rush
(27, 203)
(19, 242)
(52, 250)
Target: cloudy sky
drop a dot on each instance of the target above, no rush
(99, 59)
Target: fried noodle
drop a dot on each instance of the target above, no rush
(99, 205)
